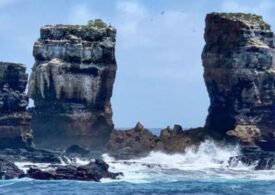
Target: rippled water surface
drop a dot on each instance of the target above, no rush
(180, 187)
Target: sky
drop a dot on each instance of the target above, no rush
(159, 79)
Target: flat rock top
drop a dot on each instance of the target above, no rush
(5, 65)
(245, 18)
(94, 30)
(14, 75)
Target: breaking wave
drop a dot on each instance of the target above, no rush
(202, 171)
(208, 162)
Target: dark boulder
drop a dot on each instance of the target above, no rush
(76, 150)
(9, 170)
(94, 171)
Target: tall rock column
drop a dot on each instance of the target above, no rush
(239, 72)
(15, 129)
(71, 85)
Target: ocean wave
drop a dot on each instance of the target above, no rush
(207, 162)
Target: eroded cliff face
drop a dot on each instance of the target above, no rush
(15, 129)
(71, 84)
(239, 72)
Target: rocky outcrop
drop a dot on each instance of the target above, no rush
(176, 140)
(76, 150)
(132, 143)
(139, 141)
(71, 85)
(9, 170)
(15, 129)
(260, 160)
(94, 171)
(239, 72)
(31, 154)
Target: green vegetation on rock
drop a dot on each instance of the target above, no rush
(96, 24)
(246, 18)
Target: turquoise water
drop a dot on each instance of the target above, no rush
(181, 187)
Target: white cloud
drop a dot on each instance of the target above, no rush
(131, 8)
(261, 6)
(158, 53)
(5, 18)
(81, 14)
(129, 17)
(230, 6)
(161, 45)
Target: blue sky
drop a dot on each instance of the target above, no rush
(160, 76)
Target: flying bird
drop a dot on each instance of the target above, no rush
(162, 12)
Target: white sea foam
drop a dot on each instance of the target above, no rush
(26, 165)
(209, 161)
(47, 166)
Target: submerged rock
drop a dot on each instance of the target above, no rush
(71, 85)
(94, 171)
(15, 131)
(239, 72)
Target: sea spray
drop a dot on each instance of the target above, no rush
(208, 161)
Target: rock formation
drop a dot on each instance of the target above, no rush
(176, 140)
(15, 130)
(32, 154)
(94, 171)
(71, 85)
(132, 143)
(9, 170)
(139, 142)
(239, 72)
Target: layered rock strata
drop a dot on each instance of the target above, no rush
(15, 129)
(71, 85)
(239, 72)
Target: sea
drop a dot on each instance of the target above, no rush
(202, 171)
